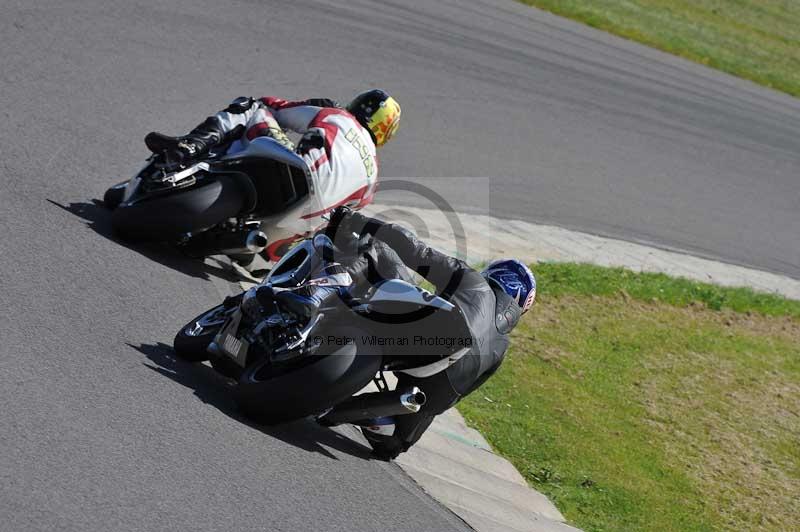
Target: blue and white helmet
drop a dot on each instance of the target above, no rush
(516, 280)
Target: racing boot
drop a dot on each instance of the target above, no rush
(192, 146)
(379, 433)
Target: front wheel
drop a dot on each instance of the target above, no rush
(192, 341)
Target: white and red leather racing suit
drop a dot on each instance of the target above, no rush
(338, 150)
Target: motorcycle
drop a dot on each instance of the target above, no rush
(231, 203)
(288, 369)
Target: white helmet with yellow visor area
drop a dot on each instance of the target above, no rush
(378, 112)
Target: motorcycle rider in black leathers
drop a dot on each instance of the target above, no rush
(489, 305)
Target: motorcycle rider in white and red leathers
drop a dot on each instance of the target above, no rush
(338, 145)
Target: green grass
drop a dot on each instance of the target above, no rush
(754, 39)
(635, 405)
(586, 279)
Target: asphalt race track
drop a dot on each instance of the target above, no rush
(103, 430)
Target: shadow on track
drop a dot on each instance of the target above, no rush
(215, 390)
(98, 219)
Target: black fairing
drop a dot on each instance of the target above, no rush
(278, 186)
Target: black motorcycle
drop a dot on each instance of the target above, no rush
(220, 204)
(288, 368)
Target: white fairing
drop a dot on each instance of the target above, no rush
(297, 221)
(403, 292)
(268, 148)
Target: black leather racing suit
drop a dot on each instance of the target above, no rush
(487, 311)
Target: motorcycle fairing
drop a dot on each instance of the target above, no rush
(269, 148)
(170, 181)
(396, 290)
(300, 219)
(294, 267)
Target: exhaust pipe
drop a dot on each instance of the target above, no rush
(244, 242)
(374, 405)
(256, 241)
(413, 399)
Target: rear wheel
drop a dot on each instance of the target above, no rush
(272, 394)
(113, 196)
(169, 217)
(192, 340)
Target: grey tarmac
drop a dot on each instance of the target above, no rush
(104, 430)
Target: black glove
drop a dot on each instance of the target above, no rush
(310, 141)
(344, 221)
(338, 220)
(341, 214)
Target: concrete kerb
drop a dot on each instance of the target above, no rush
(487, 238)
